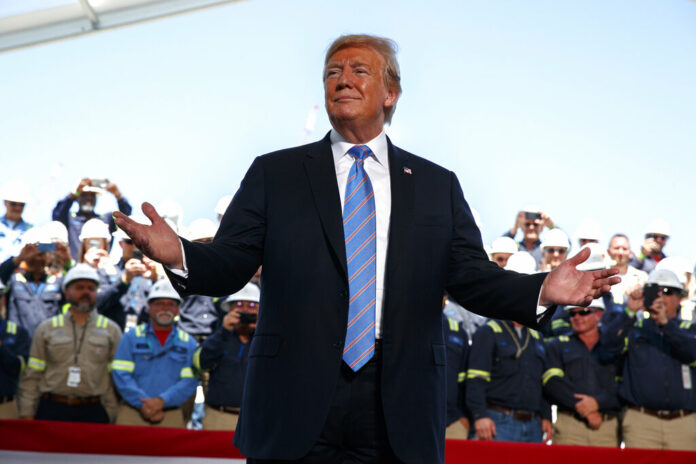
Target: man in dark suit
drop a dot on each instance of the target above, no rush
(358, 240)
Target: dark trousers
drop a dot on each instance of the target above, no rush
(354, 431)
(50, 410)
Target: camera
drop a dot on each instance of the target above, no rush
(46, 247)
(137, 254)
(100, 183)
(532, 216)
(247, 318)
(94, 244)
(650, 294)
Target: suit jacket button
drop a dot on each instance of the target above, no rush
(343, 293)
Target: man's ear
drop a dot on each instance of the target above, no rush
(391, 99)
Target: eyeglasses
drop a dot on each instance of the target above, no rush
(583, 312)
(552, 250)
(239, 304)
(667, 291)
(656, 236)
(127, 241)
(14, 204)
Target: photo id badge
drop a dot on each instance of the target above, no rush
(686, 377)
(73, 376)
(131, 321)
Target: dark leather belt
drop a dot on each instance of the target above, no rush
(6, 398)
(605, 415)
(523, 416)
(662, 414)
(227, 409)
(71, 400)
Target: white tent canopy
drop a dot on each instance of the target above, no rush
(29, 22)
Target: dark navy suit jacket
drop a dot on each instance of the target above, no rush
(287, 216)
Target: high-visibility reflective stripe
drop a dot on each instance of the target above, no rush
(183, 336)
(11, 328)
(102, 322)
(123, 365)
(139, 330)
(495, 326)
(693, 364)
(186, 373)
(461, 377)
(453, 325)
(639, 322)
(625, 348)
(475, 373)
(22, 365)
(563, 338)
(36, 364)
(559, 323)
(618, 378)
(64, 308)
(534, 333)
(197, 358)
(553, 372)
(685, 325)
(57, 321)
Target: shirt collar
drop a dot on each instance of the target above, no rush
(378, 145)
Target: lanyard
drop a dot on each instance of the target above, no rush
(520, 349)
(78, 348)
(37, 289)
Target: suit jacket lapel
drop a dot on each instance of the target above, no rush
(321, 172)
(401, 220)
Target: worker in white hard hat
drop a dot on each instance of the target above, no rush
(501, 250)
(620, 252)
(86, 196)
(580, 378)
(60, 260)
(589, 231)
(14, 352)
(532, 221)
(652, 250)
(224, 355)
(32, 293)
(554, 249)
(67, 376)
(683, 269)
(15, 195)
(659, 366)
(222, 205)
(153, 365)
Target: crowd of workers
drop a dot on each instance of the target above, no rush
(86, 338)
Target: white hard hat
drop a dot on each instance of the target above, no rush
(95, 228)
(16, 190)
(658, 226)
(250, 292)
(665, 278)
(171, 210)
(589, 229)
(163, 289)
(55, 231)
(598, 303)
(521, 262)
(555, 238)
(598, 259)
(222, 204)
(680, 266)
(531, 209)
(504, 245)
(201, 228)
(80, 271)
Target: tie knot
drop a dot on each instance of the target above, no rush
(360, 152)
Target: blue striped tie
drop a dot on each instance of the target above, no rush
(360, 231)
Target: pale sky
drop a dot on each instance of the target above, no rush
(586, 108)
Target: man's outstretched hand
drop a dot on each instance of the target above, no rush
(565, 285)
(158, 241)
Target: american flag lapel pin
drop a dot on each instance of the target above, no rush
(407, 170)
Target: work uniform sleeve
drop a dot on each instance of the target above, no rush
(183, 388)
(682, 344)
(61, 212)
(13, 358)
(478, 373)
(6, 270)
(123, 206)
(212, 350)
(557, 388)
(614, 336)
(109, 400)
(122, 369)
(28, 391)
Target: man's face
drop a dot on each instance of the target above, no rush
(82, 293)
(532, 229)
(127, 247)
(583, 320)
(37, 263)
(245, 307)
(87, 201)
(14, 210)
(163, 310)
(501, 259)
(354, 88)
(619, 250)
(670, 298)
(554, 256)
(659, 239)
(585, 241)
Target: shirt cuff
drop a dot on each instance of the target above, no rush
(183, 273)
(541, 309)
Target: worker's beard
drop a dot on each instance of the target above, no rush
(83, 307)
(165, 318)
